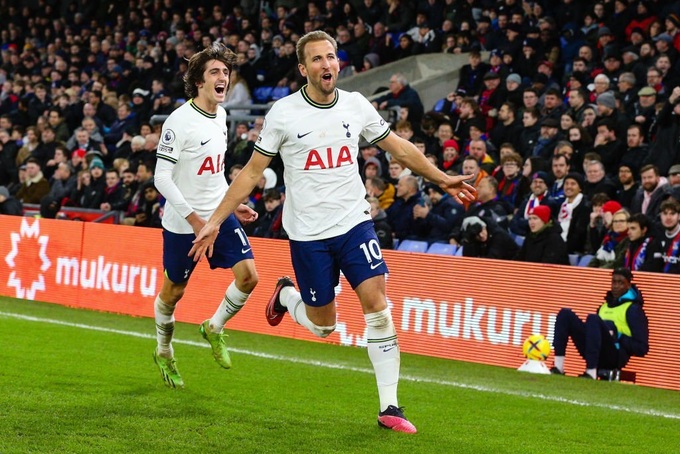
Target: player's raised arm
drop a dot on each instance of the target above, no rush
(240, 188)
(406, 153)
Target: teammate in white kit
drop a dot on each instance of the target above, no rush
(190, 175)
(316, 130)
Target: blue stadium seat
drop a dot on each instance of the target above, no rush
(573, 259)
(518, 239)
(441, 248)
(279, 92)
(585, 260)
(459, 252)
(413, 246)
(262, 95)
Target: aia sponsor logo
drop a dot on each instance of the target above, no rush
(212, 165)
(329, 159)
(29, 249)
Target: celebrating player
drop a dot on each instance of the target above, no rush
(316, 130)
(190, 175)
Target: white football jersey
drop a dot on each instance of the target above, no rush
(319, 146)
(196, 143)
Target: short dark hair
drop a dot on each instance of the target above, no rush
(32, 160)
(378, 183)
(271, 194)
(599, 199)
(647, 167)
(640, 219)
(607, 123)
(625, 272)
(511, 107)
(558, 156)
(671, 205)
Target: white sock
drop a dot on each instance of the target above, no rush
(559, 363)
(233, 301)
(592, 372)
(291, 299)
(383, 351)
(165, 327)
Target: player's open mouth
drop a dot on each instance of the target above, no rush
(327, 77)
(220, 89)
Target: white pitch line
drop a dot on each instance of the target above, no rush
(364, 370)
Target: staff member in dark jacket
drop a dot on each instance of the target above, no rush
(544, 243)
(608, 339)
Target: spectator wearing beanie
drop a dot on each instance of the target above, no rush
(574, 214)
(451, 156)
(601, 216)
(628, 186)
(544, 243)
(9, 205)
(612, 250)
(606, 109)
(372, 168)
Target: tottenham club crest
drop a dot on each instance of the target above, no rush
(168, 137)
(346, 126)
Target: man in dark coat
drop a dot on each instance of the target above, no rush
(9, 205)
(437, 220)
(653, 190)
(403, 95)
(574, 214)
(664, 151)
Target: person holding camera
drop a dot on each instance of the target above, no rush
(485, 239)
(607, 339)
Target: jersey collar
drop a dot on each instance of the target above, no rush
(201, 111)
(309, 100)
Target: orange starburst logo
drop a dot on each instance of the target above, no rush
(28, 260)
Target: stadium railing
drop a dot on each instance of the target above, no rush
(78, 214)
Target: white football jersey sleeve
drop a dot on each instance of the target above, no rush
(194, 142)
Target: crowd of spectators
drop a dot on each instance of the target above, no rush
(567, 114)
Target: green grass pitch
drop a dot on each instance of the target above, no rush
(75, 381)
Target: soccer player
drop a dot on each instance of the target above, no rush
(190, 175)
(316, 130)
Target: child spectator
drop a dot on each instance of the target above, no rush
(269, 224)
